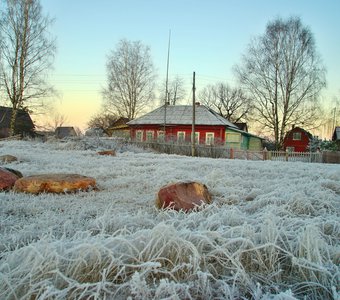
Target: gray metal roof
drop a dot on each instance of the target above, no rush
(182, 115)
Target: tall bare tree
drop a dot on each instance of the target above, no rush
(103, 121)
(176, 91)
(27, 51)
(230, 103)
(131, 79)
(284, 75)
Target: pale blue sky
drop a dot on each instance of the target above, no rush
(207, 36)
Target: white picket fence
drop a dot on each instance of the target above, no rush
(223, 152)
(295, 156)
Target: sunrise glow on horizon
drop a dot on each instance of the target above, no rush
(208, 37)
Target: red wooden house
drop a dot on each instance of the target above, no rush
(297, 140)
(174, 123)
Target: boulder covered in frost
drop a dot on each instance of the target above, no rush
(184, 196)
(7, 179)
(54, 183)
(7, 158)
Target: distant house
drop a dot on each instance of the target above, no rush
(119, 128)
(174, 123)
(336, 136)
(242, 126)
(297, 140)
(63, 132)
(23, 122)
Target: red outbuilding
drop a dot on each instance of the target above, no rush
(297, 140)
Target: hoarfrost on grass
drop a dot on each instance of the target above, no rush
(272, 232)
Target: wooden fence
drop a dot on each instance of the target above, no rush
(223, 152)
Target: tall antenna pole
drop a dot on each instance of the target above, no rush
(166, 83)
(193, 117)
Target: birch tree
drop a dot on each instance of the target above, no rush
(27, 51)
(176, 91)
(284, 75)
(130, 79)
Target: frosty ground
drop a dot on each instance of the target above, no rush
(272, 232)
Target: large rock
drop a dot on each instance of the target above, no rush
(7, 158)
(54, 183)
(7, 179)
(183, 196)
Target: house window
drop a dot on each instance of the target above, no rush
(233, 137)
(296, 136)
(149, 135)
(160, 136)
(209, 138)
(197, 138)
(181, 136)
(139, 135)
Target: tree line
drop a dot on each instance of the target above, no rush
(280, 75)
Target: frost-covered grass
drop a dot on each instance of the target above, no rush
(272, 232)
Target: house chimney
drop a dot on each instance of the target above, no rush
(293, 126)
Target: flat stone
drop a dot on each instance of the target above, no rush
(7, 158)
(184, 196)
(54, 183)
(7, 179)
(107, 152)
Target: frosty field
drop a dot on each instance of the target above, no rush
(272, 232)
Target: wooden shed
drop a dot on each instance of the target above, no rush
(65, 131)
(297, 140)
(23, 122)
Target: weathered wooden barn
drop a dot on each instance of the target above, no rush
(23, 122)
(174, 123)
(64, 132)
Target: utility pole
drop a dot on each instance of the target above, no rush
(166, 84)
(193, 117)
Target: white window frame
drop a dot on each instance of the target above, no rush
(182, 140)
(149, 135)
(160, 136)
(139, 135)
(295, 134)
(197, 137)
(209, 138)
